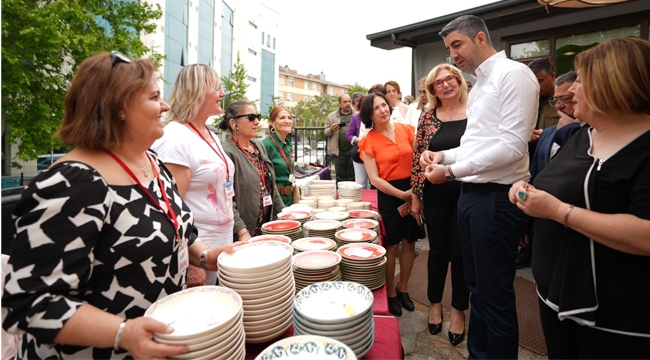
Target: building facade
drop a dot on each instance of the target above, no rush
(294, 88)
(525, 30)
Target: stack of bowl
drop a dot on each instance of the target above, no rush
(313, 243)
(339, 310)
(280, 238)
(307, 347)
(364, 263)
(302, 216)
(322, 188)
(350, 190)
(326, 202)
(321, 228)
(361, 224)
(290, 228)
(364, 214)
(207, 319)
(261, 273)
(353, 236)
(315, 266)
(332, 215)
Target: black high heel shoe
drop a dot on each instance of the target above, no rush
(435, 329)
(456, 339)
(404, 300)
(393, 306)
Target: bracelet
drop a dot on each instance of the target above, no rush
(242, 234)
(204, 253)
(566, 215)
(118, 336)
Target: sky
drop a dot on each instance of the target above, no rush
(330, 36)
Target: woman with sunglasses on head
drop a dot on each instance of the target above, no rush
(103, 233)
(386, 152)
(278, 147)
(195, 157)
(441, 128)
(256, 200)
(591, 204)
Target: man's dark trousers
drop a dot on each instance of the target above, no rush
(489, 227)
(343, 166)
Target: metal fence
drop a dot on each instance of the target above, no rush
(310, 146)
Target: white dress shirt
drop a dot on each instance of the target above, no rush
(413, 116)
(501, 115)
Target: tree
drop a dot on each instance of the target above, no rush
(43, 42)
(356, 88)
(314, 113)
(235, 84)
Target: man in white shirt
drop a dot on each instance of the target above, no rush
(493, 154)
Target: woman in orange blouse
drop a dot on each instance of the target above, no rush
(387, 151)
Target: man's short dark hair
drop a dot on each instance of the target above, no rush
(356, 96)
(541, 65)
(468, 25)
(569, 77)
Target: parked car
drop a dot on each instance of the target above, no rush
(44, 161)
(321, 145)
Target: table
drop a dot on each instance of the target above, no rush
(387, 345)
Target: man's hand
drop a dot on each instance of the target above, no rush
(435, 174)
(565, 119)
(429, 158)
(534, 137)
(334, 127)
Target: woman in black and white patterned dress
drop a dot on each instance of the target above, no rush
(103, 233)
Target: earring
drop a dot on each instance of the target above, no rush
(122, 117)
(272, 129)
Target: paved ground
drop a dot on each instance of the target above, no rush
(419, 344)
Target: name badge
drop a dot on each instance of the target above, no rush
(230, 191)
(292, 179)
(183, 256)
(266, 200)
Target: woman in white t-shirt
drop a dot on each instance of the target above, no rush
(195, 157)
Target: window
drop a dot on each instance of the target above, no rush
(290, 96)
(314, 87)
(251, 79)
(306, 85)
(227, 20)
(342, 91)
(290, 83)
(252, 52)
(206, 32)
(251, 24)
(273, 43)
(331, 91)
(532, 49)
(281, 95)
(306, 98)
(263, 37)
(176, 44)
(268, 40)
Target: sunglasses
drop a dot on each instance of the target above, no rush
(251, 117)
(118, 56)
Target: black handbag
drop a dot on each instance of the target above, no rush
(354, 154)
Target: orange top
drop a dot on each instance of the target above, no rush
(393, 158)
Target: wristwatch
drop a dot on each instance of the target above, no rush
(448, 175)
(204, 253)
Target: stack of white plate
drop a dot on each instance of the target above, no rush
(339, 310)
(298, 207)
(207, 319)
(315, 266)
(261, 273)
(361, 224)
(322, 188)
(356, 205)
(290, 228)
(270, 237)
(321, 228)
(310, 203)
(364, 214)
(338, 208)
(364, 263)
(343, 202)
(350, 190)
(307, 347)
(301, 216)
(326, 202)
(332, 215)
(313, 243)
(354, 236)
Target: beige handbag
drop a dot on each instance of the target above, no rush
(296, 194)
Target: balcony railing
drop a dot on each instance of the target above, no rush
(310, 146)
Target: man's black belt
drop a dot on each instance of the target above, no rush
(483, 188)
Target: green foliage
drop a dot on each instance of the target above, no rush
(357, 88)
(43, 42)
(314, 113)
(235, 84)
(275, 101)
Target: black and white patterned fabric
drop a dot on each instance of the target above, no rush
(79, 240)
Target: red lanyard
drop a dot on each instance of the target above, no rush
(171, 216)
(216, 151)
(283, 155)
(258, 165)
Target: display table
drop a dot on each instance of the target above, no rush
(380, 305)
(387, 345)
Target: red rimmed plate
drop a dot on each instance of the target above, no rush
(280, 238)
(363, 251)
(294, 215)
(281, 225)
(363, 213)
(314, 243)
(360, 223)
(353, 235)
(316, 259)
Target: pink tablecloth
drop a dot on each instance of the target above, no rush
(380, 306)
(387, 345)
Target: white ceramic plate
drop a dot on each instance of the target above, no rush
(255, 257)
(322, 225)
(316, 259)
(333, 302)
(307, 347)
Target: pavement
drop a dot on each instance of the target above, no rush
(419, 344)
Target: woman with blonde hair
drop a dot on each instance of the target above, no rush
(195, 157)
(441, 128)
(279, 149)
(591, 258)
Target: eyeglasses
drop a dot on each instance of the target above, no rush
(449, 80)
(251, 117)
(564, 99)
(118, 56)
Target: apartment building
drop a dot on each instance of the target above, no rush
(294, 88)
